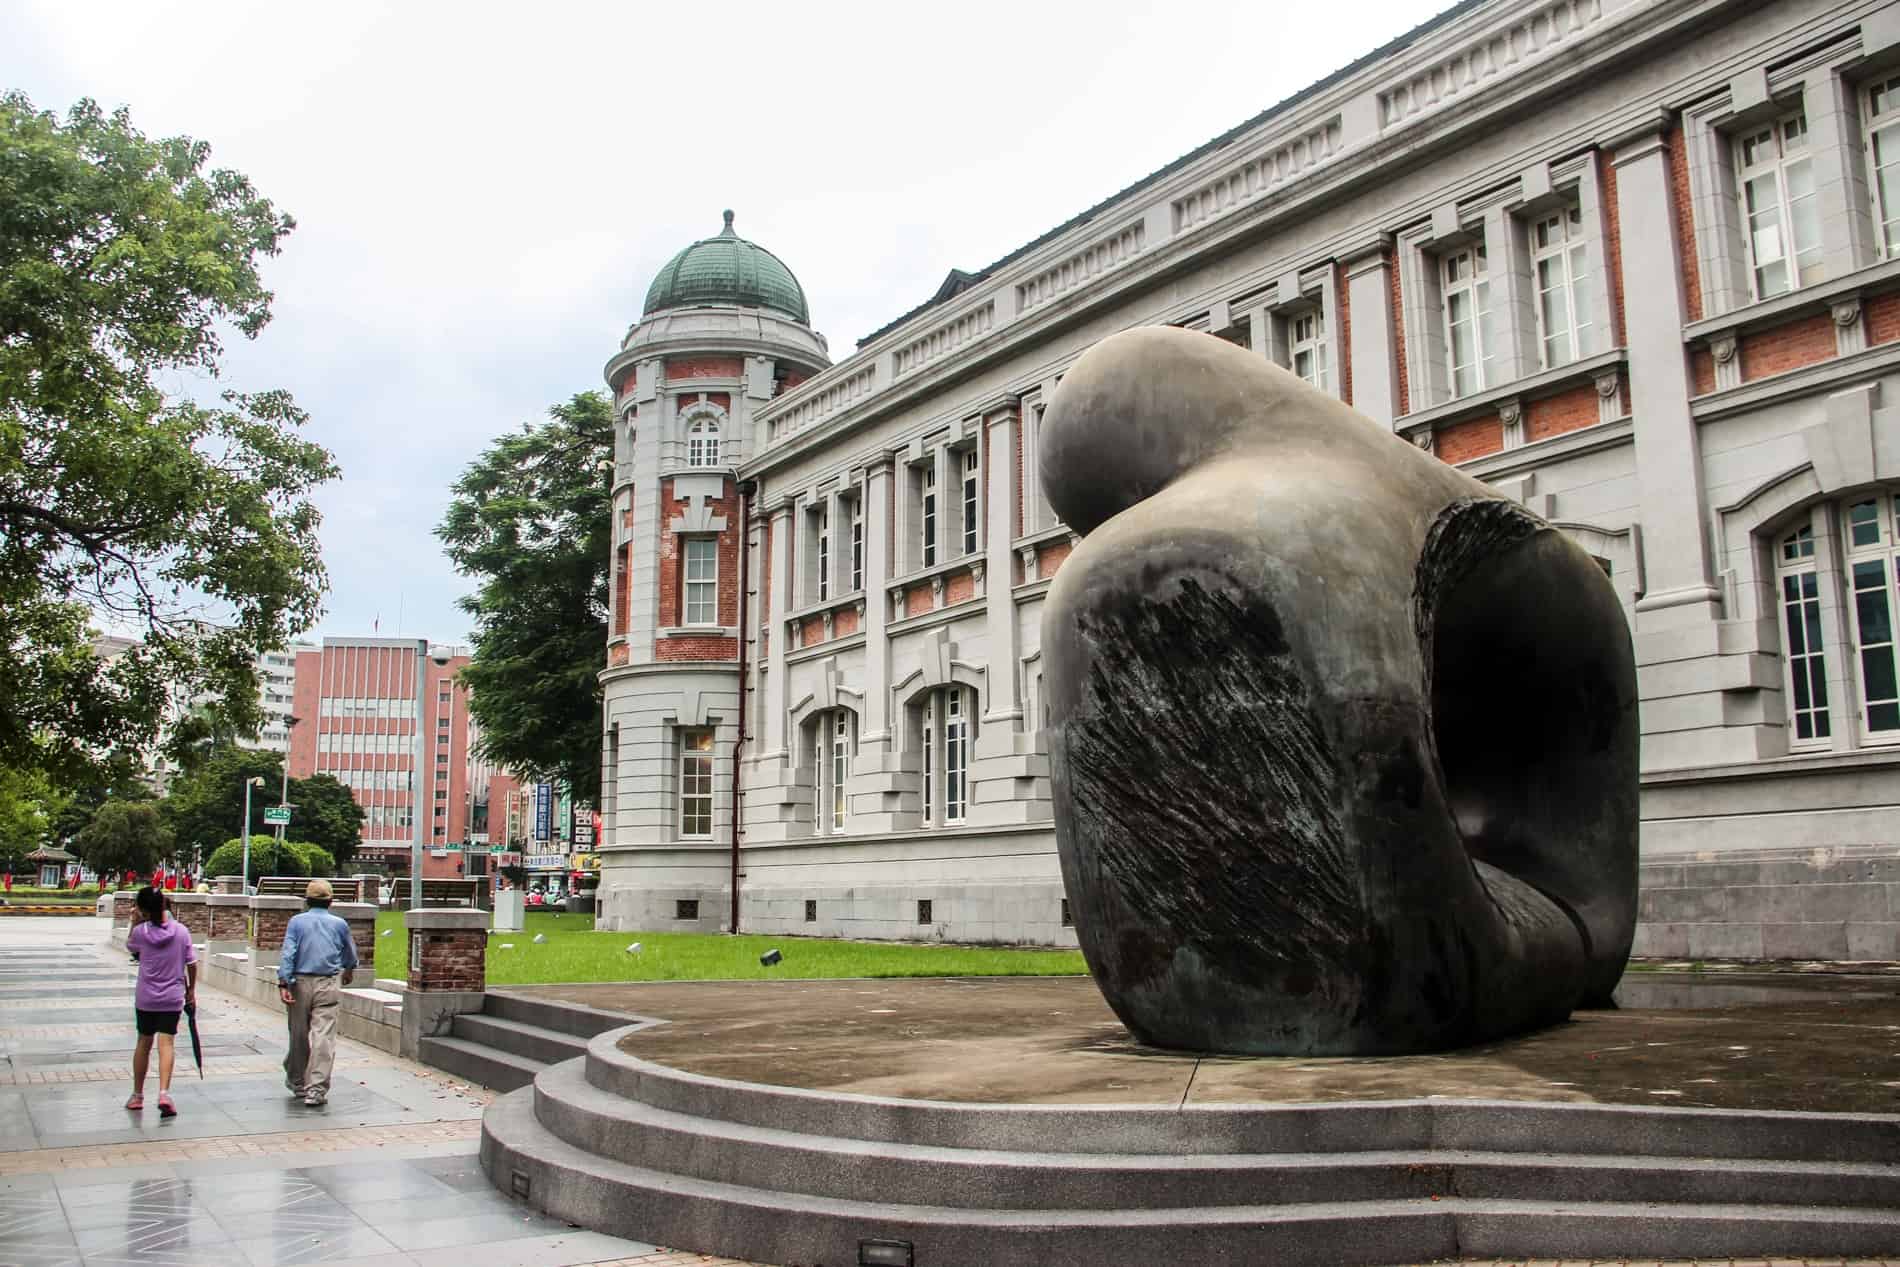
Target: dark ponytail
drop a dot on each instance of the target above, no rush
(151, 901)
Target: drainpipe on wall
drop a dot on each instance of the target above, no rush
(746, 489)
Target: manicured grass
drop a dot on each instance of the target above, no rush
(575, 952)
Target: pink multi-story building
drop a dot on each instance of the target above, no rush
(355, 719)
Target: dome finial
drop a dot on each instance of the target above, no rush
(727, 231)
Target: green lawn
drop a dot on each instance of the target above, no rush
(575, 952)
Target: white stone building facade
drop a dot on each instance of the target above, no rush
(1634, 262)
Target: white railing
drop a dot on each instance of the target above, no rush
(1546, 27)
(1259, 175)
(945, 339)
(1091, 261)
(822, 405)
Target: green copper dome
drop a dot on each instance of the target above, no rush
(726, 271)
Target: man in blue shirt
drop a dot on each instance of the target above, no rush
(317, 951)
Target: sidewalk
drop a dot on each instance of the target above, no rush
(384, 1174)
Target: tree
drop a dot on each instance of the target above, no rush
(122, 263)
(530, 520)
(203, 807)
(327, 816)
(266, 858)
(199, 734)
(124, 836)
(118, 776)
(29, 805)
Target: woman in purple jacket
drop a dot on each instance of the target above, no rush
(168, 982)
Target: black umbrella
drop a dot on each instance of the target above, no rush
(197, 1048)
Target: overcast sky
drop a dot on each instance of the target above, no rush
(483, 193)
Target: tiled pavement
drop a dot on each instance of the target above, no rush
(384, 1176)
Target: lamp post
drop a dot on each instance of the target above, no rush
(283, 794)
(253, 781)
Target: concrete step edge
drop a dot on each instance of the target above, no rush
(486, 1066)
(512, 1036)
(639, 1134)
(575, 1019)
(712, 1217)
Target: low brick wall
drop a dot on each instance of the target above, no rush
(230, 918)
(361, 917)
(448, 950)
(369, 1014)
(270, 916)
(122, 906)
(1835, 904)
(194, 913)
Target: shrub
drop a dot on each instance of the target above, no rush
(228, 859)
(315, 858)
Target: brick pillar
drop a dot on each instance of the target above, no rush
(123, 904)
(191, 911)
(227, 884)
(448, 948)
(269, 917)
(372, 888)
(362, 920)
(230, 918)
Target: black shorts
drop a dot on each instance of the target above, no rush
(156, 1022)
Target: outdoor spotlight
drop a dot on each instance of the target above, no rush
(386, 932)
(769, 958)
(539, 938)
(884, 1254)
(507, 945)
(634, 949)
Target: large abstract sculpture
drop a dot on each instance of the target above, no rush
(1344, 743)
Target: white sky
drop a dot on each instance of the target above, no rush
(483, 192)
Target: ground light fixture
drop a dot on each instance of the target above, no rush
(884, 1254)
(770, 957)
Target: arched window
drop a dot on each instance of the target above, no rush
(1837, 585)
(702, 442)
(833, 739)
(1806, 669)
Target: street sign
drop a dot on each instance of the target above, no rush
(543, 811)
(277, 815)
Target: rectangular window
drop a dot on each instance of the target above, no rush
(969, 499)
(686, 908)
(930, 758)
(857, 544)
(695, 783)
(956, 756)
(1467, 292)
(824, 551)
(1883, 157)
(1783, 216)
(930, 515)
(1561, 271)
(701, 583)
(840, 765)
(1306, 337)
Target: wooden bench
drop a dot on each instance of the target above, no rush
(444, 892)
(342, 888)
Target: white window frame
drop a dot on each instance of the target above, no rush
(927, 524)
(699, 594)
(971, 505)
(1804, 647)
(823, 553)
(695, 783)
(857, 542)
(834, 742)
(1464, 274)
(1560, 281)
(1307, 350)
(1868, 569)
(704, 440)
(947, 726)
(1880, 110)
(1762, 156)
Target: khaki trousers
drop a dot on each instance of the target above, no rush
(313, 1034)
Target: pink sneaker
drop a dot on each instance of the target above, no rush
(136, 1103)
(165, 1106)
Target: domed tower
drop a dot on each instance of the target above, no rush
(725, 328)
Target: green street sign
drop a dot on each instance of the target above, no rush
(277, 815)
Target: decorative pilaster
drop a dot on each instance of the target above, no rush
(1725, 351)
(1850, 329)
(774, 706)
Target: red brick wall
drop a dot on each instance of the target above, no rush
(618, 654)
(683, 368)
(267, 928)
(122, 906)
(1466, 440)
(623, 590)
(726, 506)
(453, 959)
(1022, 485)
(1050, 557)
(1685, 222)
(229, 923)
(1398, 336)
(811, 630)
(916, 600)
(1882, 314)
(844, 622)
(793, 378)
(196, 917)
(958, 587)
(1787, 347)
(765, 571)
(1612, 245)
(696, 648)
(1345, 333)
(1567, 411)
(1702, 370)
(363, 937)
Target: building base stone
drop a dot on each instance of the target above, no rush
(1836, 904)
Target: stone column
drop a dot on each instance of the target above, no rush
(230, 920)
(1005, 705)
(228, 884)
(361, 917)
(1373, 351)
(369, 888)
(123, 904)
(874, 731)
(190, 909)
(270, 916)
(448, 971)
(1668, 455)
(776, 702)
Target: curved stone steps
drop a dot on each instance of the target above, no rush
(523, 1156)
(638, 1134)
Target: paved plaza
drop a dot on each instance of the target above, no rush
(385, 1174)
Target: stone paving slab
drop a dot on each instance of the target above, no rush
(1819, 1044)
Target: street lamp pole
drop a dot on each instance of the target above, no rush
(245, 831)
(415, 782)
(283, 795)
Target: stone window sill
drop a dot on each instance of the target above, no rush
(1807, 301)
(1532, 387)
